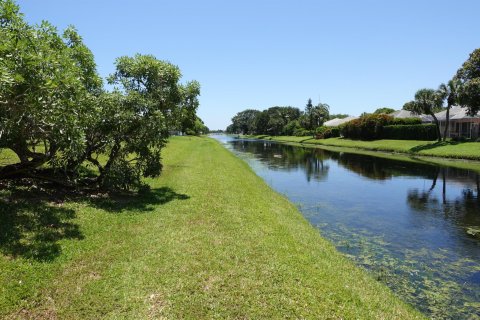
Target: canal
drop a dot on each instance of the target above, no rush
(414, 226)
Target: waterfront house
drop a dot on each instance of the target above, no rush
(461, 124)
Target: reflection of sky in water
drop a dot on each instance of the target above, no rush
(385, 214)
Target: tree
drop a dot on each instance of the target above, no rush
(316, 115)
(469, 76)
(186, 119)
(449, 92)
(410, 105)
(134, 121)
(261, 122)
(309, 114)
(427, 101)
(320, 113)
(48, 85)
(384, 110)
(56, 115)
(244, 121)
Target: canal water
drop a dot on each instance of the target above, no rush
(414, 226)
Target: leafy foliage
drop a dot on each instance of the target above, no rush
(384, 110)
(55, 112)
(327, 132)
(449, 92)
(369, 127)
(48, 83)
(427, 101)
(410, 132)
(406, 121)
(244, 122)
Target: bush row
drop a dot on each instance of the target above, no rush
(368, 127)
(382, 126)
(327, 132)
(410, 132)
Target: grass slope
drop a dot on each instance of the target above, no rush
(211, 240)
(448, 149)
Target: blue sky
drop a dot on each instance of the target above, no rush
(354, 55)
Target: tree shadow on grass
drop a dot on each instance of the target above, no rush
(32, 228)
(434, 145)
(147, 201)
(34, 218)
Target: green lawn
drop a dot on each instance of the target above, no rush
(448, 149)
(211, 240)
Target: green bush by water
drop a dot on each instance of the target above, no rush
(426, 132)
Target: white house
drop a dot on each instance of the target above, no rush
(461, 124)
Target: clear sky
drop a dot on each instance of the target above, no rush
(354, 55)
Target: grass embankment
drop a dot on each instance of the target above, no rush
(448, 149)
(211, 240)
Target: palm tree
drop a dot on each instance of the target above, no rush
(320, 113)
(428, 101)
(449, 92)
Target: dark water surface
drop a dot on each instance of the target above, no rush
(416, 227)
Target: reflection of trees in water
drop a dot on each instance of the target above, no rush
(382, 169)
(287, 158)
(463, 209)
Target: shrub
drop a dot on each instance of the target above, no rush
(410, 132)
(327, 132)
(406, 121)
(290, 128)
(301, 132)
(368, 127)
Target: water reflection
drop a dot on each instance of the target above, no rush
(462, 209)
(278, 157)
(415, 226)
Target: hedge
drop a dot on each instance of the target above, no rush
(327, 132)
(406, 121)
(369, 127)
(410, 132)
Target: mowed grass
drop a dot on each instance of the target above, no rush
(211, 240)
(447, 149)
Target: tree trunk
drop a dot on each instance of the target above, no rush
(438, 127)
(111, 158)
(447, 122)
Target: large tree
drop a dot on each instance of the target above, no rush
(244, 121)
(320, 113)
(449, 92)
(316, 115)
(469, 76)
(133, 121)
(55, 114)
(48, 84)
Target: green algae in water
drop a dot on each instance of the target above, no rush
(428, 279)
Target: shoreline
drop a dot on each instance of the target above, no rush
(456, 162)
(212, 239)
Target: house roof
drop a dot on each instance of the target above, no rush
(404, 114)
(462, 114)
(442, 115)
(337, 121)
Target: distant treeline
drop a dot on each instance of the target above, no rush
(282, 120)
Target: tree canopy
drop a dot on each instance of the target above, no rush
(384, 110)
(469, 76)
(55, 113)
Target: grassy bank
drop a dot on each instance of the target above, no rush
(211, 240)
(448, 149)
